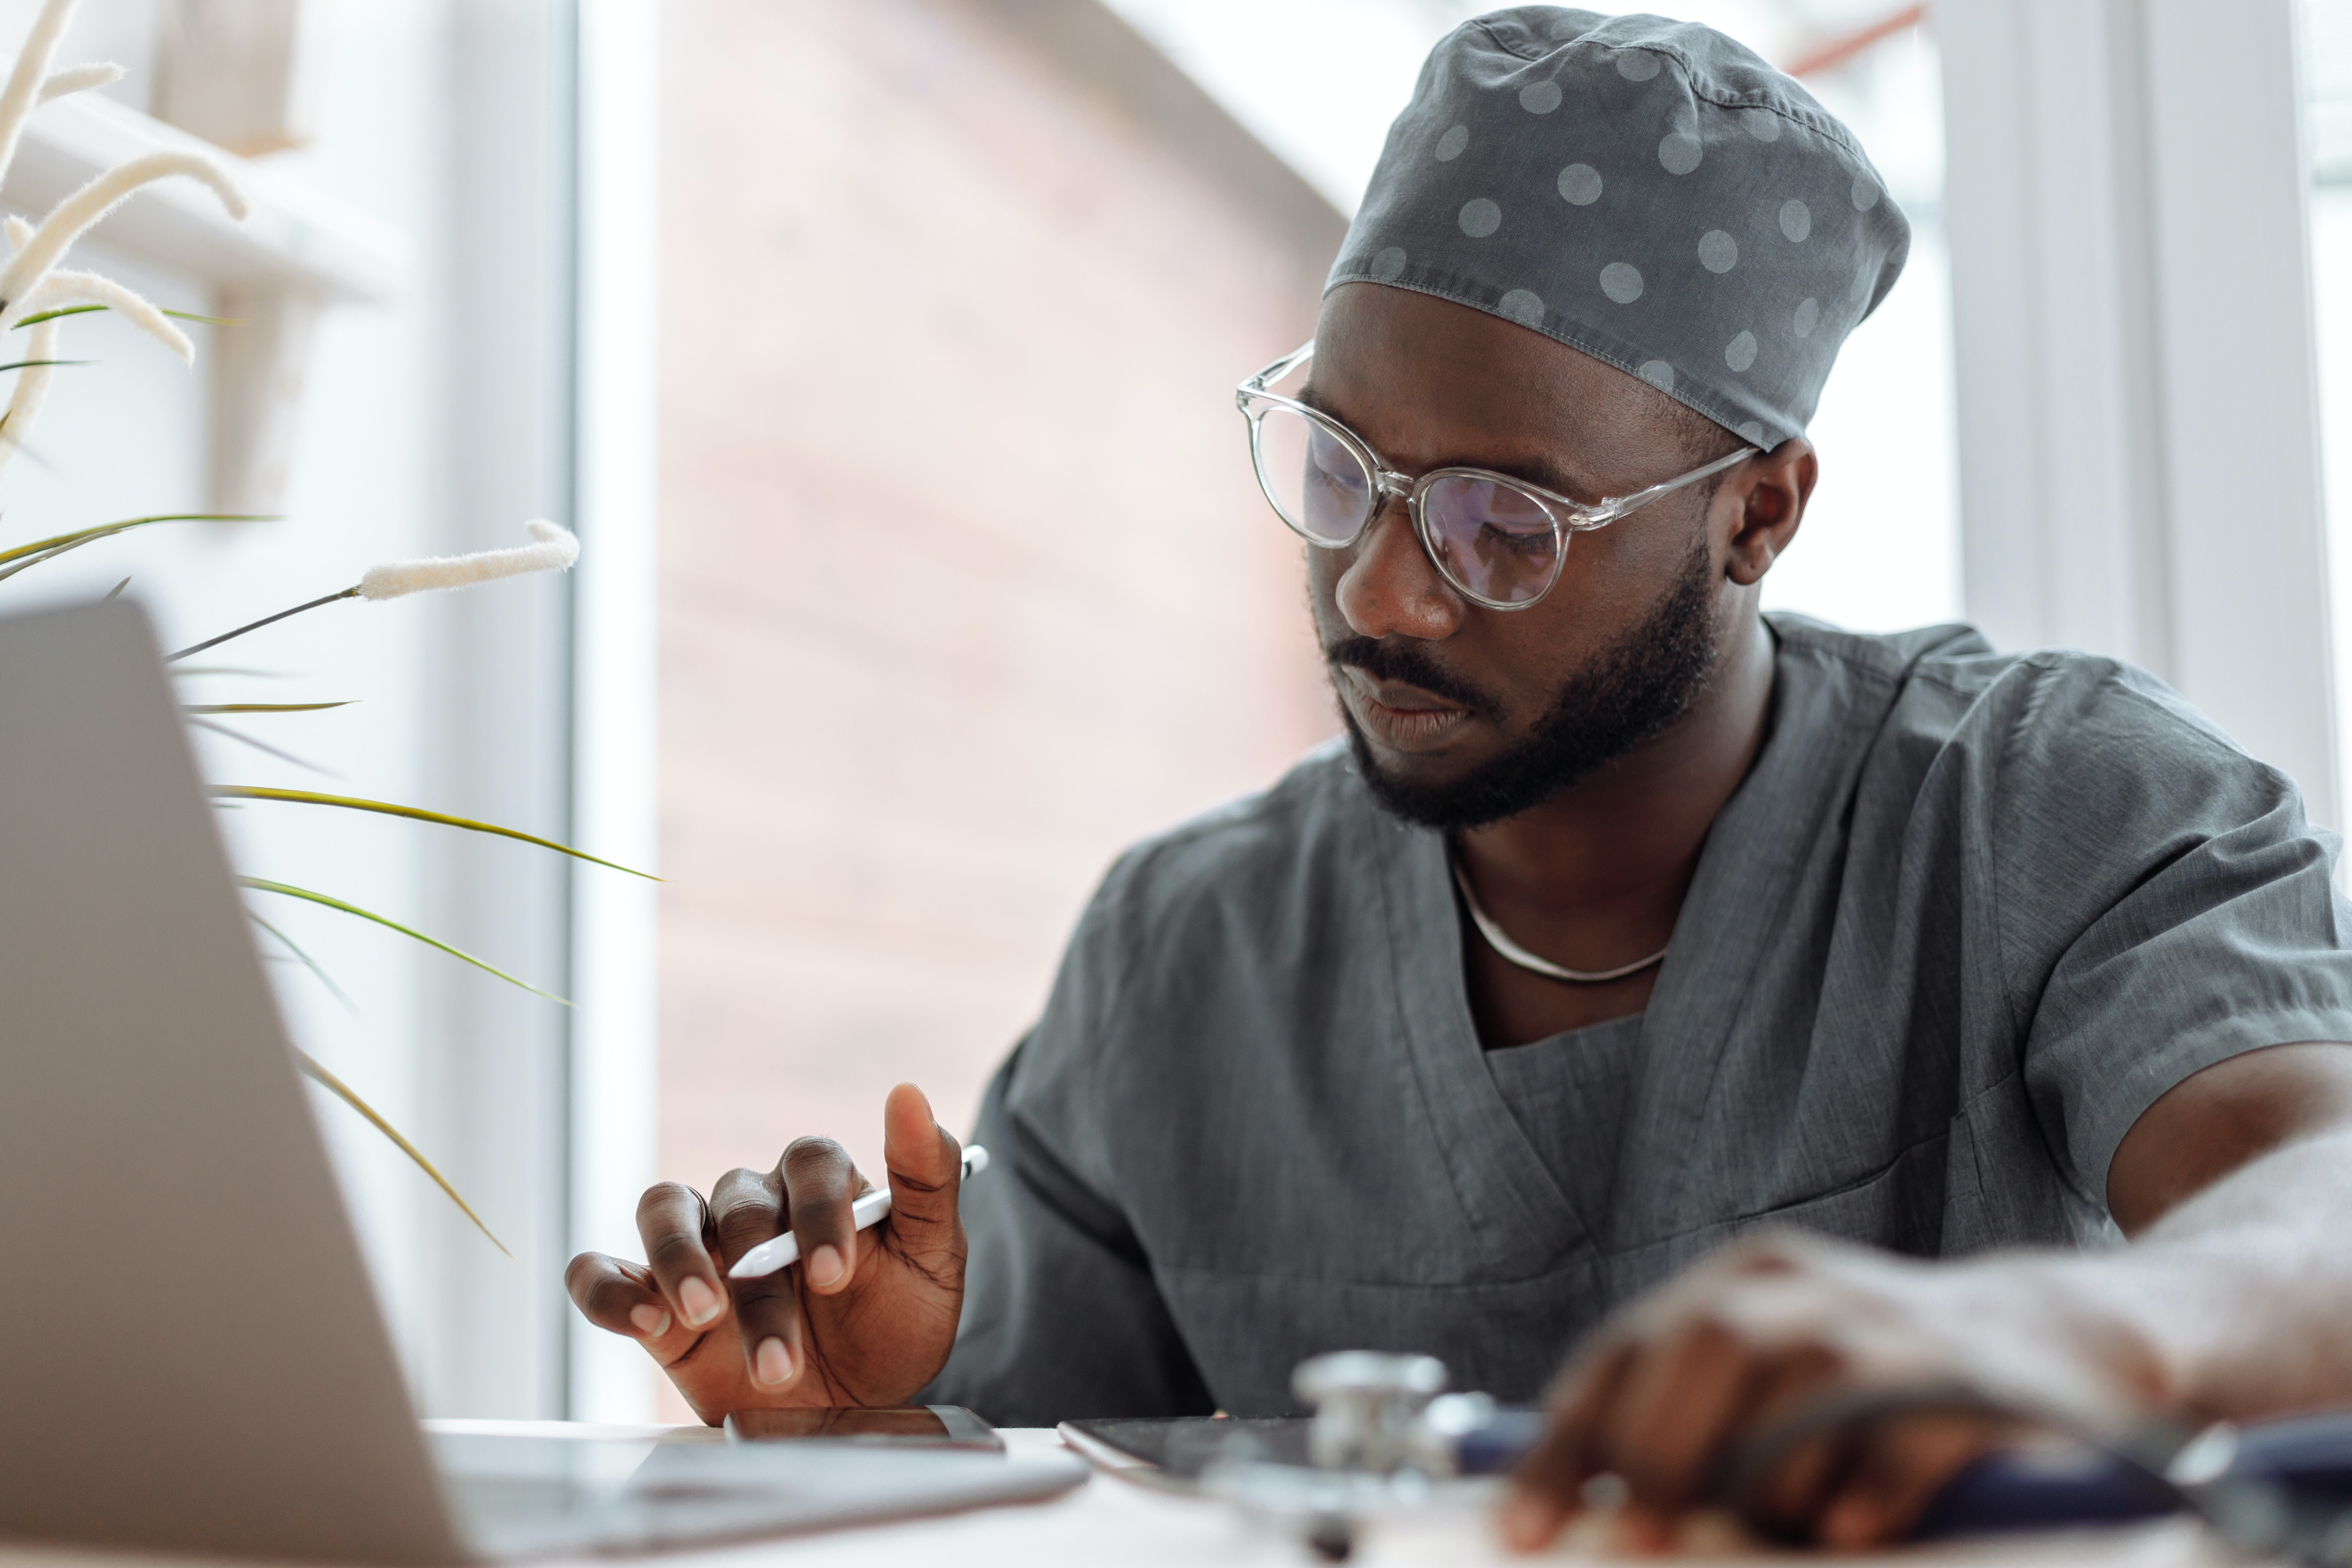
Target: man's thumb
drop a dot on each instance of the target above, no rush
(924, 1164)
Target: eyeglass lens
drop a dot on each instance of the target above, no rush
(1494, 539)
(1320, 488)
(1490, 538)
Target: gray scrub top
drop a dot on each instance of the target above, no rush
(1967, 916)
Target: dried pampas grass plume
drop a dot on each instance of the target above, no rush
(71, 217)
(556, 550)
(63, 291)
(80, 79)
(25, 91)
(30, 283)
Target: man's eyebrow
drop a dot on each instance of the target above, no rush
(1545, 471)
(1552, 475)
(1313, 399)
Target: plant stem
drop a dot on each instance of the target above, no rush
(350, 592)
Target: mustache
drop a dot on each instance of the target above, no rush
(1401, 660)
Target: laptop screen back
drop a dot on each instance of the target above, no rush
(194, 1357)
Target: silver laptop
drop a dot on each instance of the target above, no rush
(195, 1359)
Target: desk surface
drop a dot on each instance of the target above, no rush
(1112, 1522)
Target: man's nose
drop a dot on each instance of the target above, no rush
(1391, 586)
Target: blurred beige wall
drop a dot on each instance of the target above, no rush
(965, 585)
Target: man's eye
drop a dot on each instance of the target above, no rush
(1518, 538)
(1342, 475)
(1335, 462)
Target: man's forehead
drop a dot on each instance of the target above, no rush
(1443, 383)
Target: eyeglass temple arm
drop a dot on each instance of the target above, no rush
(1274, 372)
(1609, 511)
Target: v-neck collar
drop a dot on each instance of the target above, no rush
(1513, 1205)
(1746, 878)
(1737, 911)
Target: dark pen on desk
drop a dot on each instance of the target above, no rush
(783, 1251)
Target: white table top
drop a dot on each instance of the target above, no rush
(1112, 1522)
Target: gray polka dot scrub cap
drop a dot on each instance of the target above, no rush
(1646, 191)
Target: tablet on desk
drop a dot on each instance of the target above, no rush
(1174, 1450)
(903, 1426)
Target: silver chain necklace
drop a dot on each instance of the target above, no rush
(1512, 951)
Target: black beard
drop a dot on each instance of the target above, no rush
(1634, 691)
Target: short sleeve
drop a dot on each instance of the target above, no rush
(2163, 903)
(1061, 1318)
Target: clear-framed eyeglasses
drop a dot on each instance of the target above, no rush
(1497, 540)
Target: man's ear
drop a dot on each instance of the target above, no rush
(1762, 502)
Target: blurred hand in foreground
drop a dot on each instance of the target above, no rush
(1746, 1381)
(1705, 1388)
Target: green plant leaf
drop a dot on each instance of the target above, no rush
(260, 885)
(319, 1075)
(260, 707)
(34, 364)
(309, 797)
(87, 310)
(46, 547)
(54, 315)
(8, 572)
(308, 962)
(283, 755)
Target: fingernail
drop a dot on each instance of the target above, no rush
(651, 1320)
(700, 1301)
(824, 1265)
(772, 1363)
(1526, 1521)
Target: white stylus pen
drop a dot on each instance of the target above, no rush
(784, 1250)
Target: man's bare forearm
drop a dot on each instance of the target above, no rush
(2238, 1296)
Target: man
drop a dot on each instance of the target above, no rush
(1628, 923)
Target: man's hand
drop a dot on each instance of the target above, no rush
(861, 1319)
(2226, 1306)
(1674, 1394)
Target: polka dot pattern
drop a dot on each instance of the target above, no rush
(1716, 229)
